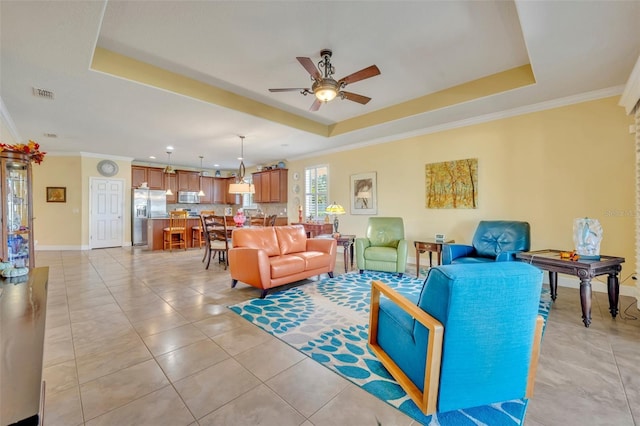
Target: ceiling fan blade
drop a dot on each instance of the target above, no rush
(355, 97)
(290, 89)
(310, 67)
(360, 75)
(315, 105)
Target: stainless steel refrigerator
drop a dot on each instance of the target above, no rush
(146, 204)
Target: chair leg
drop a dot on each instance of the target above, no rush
(206, 250)
(209, 261)
(233, 283)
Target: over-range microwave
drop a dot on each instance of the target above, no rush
(188, 197)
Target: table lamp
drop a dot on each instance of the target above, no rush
(335, 210)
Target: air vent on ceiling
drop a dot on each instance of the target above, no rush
(50, 135)
(42, 93)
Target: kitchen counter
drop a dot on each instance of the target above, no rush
(23, 305)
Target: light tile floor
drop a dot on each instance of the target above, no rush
(141, 338)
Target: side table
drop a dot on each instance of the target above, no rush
(432, 246)
(549, 260)
(347, 242)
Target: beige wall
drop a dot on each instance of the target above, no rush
(66, 225)
(546, 168)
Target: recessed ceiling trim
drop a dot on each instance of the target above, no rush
(128, 68)
(486, 86)
(122, 66)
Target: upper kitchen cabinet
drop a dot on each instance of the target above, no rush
(271, 186)
(221, 192)
(207, 188)
(188, 180)
(152, 175)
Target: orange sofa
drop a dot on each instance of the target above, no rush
(271, 256)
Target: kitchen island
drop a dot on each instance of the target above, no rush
(155, 227)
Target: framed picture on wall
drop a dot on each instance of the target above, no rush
(364, 198)
(56, 194)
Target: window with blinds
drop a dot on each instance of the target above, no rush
(316, 187)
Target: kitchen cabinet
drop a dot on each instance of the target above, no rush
(188, 181)
(171, 182)
(271, 186)
(221, 192)
(152, 175)
(207, 188)
(16, 208)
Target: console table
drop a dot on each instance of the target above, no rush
(432, 246)
(549, 260)
(315, 229)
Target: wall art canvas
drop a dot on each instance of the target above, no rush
(452, 184)
(364, 199)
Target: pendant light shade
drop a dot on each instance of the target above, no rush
(201, 192)
(241, 186)
(169, 170)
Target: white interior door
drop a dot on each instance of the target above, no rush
(107, 220)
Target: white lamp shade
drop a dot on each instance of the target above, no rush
(242, 188)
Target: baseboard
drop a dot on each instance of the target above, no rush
(60, 248)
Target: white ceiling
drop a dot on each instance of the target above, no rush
(576, 49)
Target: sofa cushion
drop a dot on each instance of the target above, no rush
(314, 259)
(292, 239)
(282, 266)
(263, 238)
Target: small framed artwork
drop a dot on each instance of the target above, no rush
(364, 199)
(56, 194)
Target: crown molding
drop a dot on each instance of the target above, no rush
(631, 94)
(4, 114)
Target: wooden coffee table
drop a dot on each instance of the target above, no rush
(549, 260)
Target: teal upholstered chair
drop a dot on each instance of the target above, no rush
(457, 345)
(493, 241)
(384, 247)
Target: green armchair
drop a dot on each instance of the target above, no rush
(384, 248)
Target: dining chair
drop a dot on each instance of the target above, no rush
(271, 220)
(176, 234)
(196, 231)
(216, 237)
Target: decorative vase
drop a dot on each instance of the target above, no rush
(587, 235)
(239, 219)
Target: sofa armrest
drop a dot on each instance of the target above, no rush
(250, 266)
(361, 244)
(325, 245)
(403, 252)
(451, 252)
(427, 400)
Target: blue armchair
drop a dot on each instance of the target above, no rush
(384, 248)
(456, 345)
(493, 241)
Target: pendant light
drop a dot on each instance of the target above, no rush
(201, 192)
(241, 187)
(169, 170)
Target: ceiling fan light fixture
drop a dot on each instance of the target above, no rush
(326, 89)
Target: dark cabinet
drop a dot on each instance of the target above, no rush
(271, 186)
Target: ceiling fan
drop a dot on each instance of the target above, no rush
(325, 87)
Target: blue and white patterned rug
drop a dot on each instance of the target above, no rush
(328, 321)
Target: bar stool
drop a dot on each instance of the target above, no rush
(196, 231)
(176, 234)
